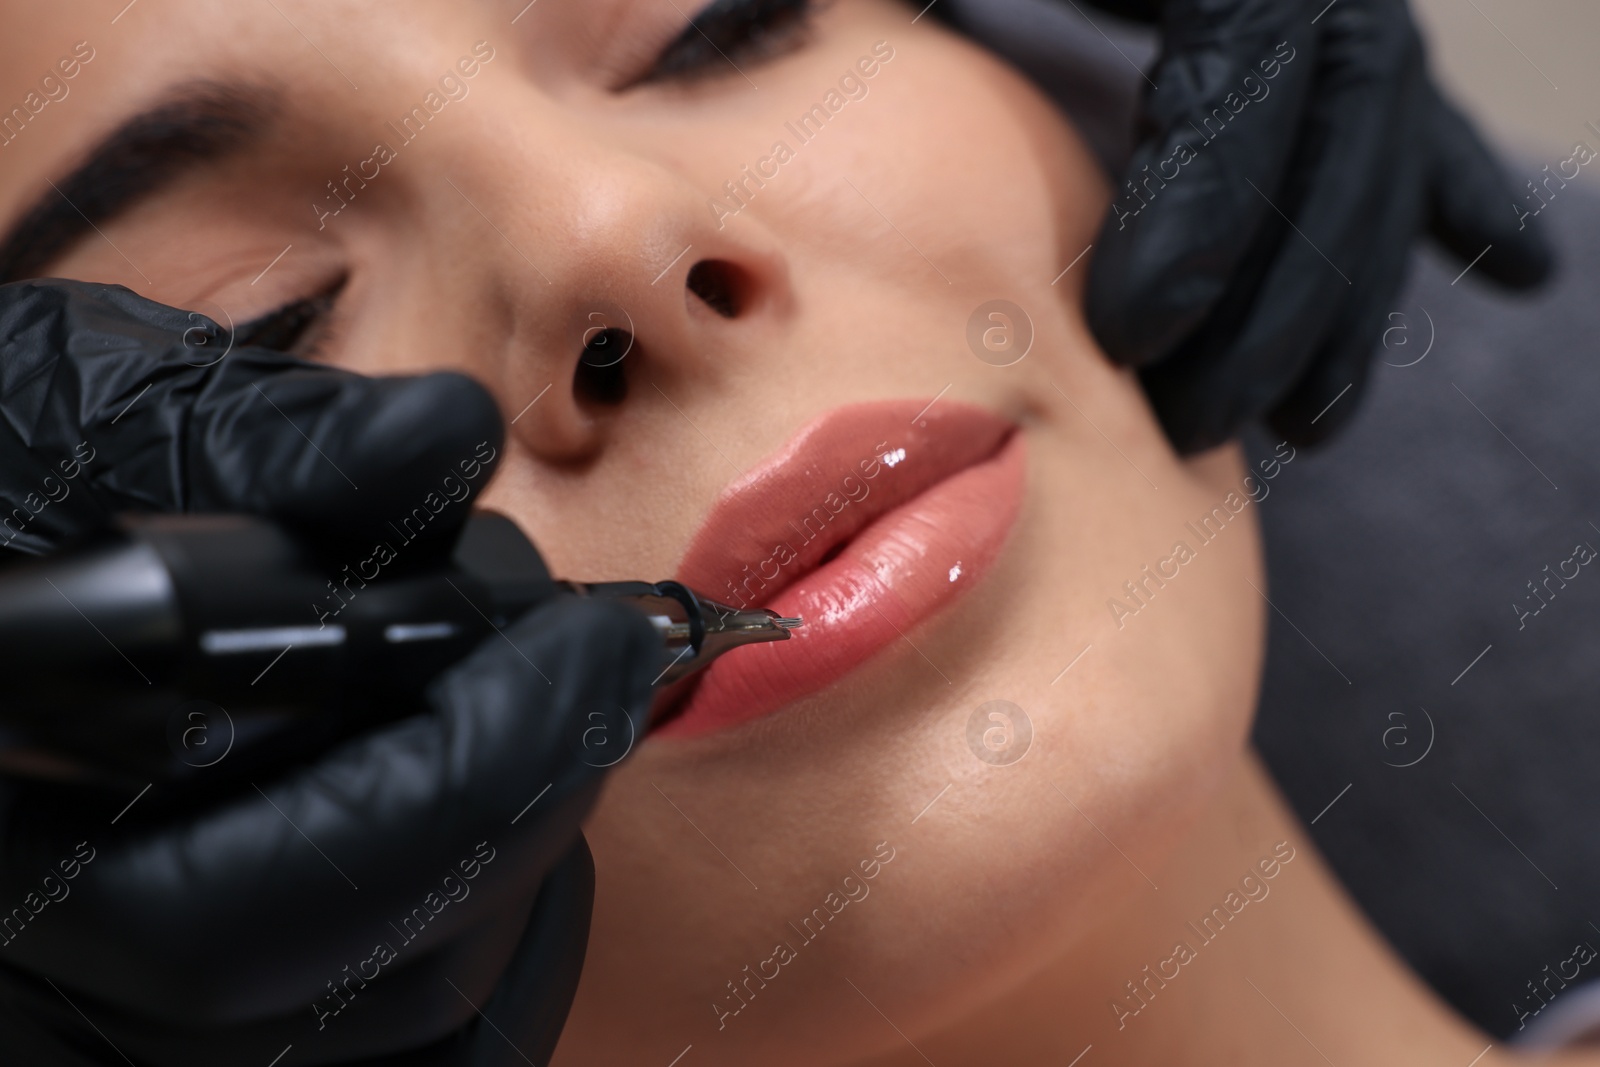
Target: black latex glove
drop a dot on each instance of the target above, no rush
(1237, 302)
(176, 934)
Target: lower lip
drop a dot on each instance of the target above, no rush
(898, 572)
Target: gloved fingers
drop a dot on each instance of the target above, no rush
(530, 1003)
(1225, 114)
(1475, 212)
(1329, 393)
(1260, 340)
(501, 1016)
(1326, 398)
(110, 402)
(432, 824)
(38, 1027)
(1132, 10)
(1264, 337)
(337, 455)
(67, 352)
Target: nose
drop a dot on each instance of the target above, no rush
(617, 280)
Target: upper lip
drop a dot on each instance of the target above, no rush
(818, 485)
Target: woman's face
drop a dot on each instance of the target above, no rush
(789, 222)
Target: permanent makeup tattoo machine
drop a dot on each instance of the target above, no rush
(102, 648)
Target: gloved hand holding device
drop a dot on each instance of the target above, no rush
(420, 892)
(1289, 153)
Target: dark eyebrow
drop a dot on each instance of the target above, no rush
(198, 123)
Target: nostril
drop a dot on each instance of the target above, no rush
(600, 376)
(721, 285)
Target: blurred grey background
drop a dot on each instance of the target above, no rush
(1526, 69)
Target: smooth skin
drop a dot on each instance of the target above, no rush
(1007, 920)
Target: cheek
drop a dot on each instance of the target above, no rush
(964, 129)
(1135, 749)
(956, 151)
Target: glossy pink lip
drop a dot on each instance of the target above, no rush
(868, 521)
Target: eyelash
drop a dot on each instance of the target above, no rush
(723, 32)
(299, 328)
(726, 31)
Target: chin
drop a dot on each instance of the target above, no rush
(767, 789)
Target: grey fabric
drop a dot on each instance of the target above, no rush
(1573, 1020)
(1398, 553)
(1401, 552)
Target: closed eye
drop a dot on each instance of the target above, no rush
(299, 328)
(729, 33)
